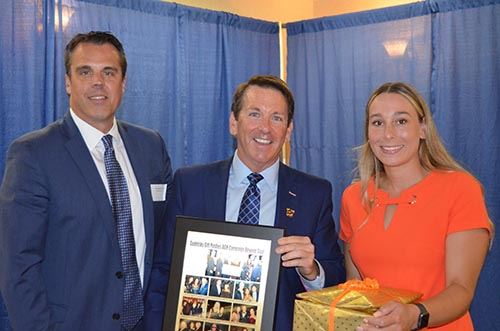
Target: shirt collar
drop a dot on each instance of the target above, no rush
(91, 135)
(241, 171)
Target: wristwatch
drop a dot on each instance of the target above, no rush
(423, 318)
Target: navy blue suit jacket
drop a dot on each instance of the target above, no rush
(59, 253)
(200, 191)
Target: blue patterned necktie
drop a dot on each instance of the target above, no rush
(250, 204)
(133, 305)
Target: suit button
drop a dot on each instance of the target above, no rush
(116, 316)
(119, 274)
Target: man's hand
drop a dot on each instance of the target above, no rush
(298, 252)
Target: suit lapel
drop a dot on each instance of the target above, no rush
(286, 204)
(83, 160)
(216, 192)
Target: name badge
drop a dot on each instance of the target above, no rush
(159, 192)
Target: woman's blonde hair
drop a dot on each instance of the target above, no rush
(431, 151)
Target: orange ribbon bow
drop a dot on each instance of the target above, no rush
(353, 284)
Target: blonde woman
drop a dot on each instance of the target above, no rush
(214, 311)
(415, 219)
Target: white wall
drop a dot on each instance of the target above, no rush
(291, 10)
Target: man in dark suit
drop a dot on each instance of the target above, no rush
(210, 271)
(244, 314)
(261, 121)
(256, 271)
(238, 293)
(81, 204)
(216, 288)
(218, 266)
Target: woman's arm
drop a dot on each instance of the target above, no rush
(465, 254)
(351, 271)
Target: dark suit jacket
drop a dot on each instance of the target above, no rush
(214, 291)
(59, 253)
(238, 295)
(201, 191)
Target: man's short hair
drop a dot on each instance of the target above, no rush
(265, 81)
(97, 38)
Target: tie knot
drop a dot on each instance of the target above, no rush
(107, 140)
(254, 178)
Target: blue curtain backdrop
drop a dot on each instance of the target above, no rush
(449, 50)
(184, 64)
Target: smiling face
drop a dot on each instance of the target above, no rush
(96, 84)
(261, 128)
(394, 132)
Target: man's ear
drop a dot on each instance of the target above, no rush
(124, 84)
(289, 132)
(67, 84)
(233, 125)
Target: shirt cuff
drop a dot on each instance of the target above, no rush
(314, 284)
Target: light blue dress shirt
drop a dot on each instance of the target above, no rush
(236, 187)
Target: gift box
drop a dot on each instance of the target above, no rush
(343, 307)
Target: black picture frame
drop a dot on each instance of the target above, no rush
(248, 238)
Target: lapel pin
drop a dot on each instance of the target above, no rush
(290, 212)
(292, 194)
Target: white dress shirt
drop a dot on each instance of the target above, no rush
(92, 138)
(268, 186)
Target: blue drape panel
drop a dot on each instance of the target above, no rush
(23, 47)
(184, 64)
(467, 104)
(332, 72)
(452, 57)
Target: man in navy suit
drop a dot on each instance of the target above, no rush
(216, 288)
(60, 256)
(261, 121)
(238, 293)
(256, 271)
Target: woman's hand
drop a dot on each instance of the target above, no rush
(392, 316)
